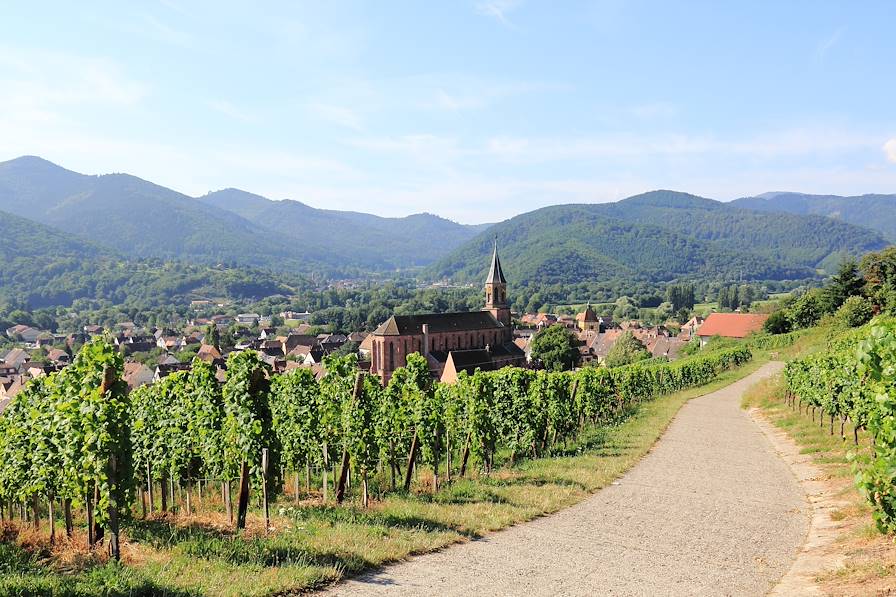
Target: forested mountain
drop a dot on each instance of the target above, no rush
(877, 212)
(807, 240)
(141, 219)
(371, 240)
(656, 237)
(42, 267)
(122, 221)
(135, 217)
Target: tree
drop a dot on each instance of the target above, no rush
(777, 323)
(845, 284)
(879, 270)
(213, 336)
(681, 296)
(664, 312)
(555, 347)
(855, 311)
(806, 310)
(625, 309)
(346, 349)
(626, 350)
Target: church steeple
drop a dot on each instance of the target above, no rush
(495, 274)
(496, 290)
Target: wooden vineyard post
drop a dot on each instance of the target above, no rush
(412, 456)
(91, 537)
(308, 475)
(343, 477)
(225, 490)
(344, 470)
(52, 516)
(69, 524)
(323, 473)
(35, 509)
(264, 488)
(447, 457)
(365, 497)
(243, 505)
(465, 457)
(149, 487)
(114, 545)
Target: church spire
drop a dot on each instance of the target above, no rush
(495, 273)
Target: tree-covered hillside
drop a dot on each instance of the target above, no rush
(877, 212)
(658, 237)
(41, 267)
(140, 219)
(368, 240)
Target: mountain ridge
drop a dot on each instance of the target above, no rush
(871, 210)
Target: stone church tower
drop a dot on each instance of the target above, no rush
(496, 292)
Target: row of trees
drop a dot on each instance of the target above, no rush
(855, 380)
(852, 296)
(77, 438)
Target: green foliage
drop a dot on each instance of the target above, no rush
(855, 378)
(680, 296)
(626, 350)
(846, 283)
(777, 323)
(555, 347)
(295, 397)
(60, 435)
(806, 310)
(247, 415)
(855, 311)
(660, 236)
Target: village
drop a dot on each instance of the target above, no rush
(451, 342)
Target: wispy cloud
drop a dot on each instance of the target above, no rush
(231, 111)
(340, 115)
(825, 45)
(769, 145)
(653, 110)
(156, 29)
(39, 80)
(498, 10)
(890, 150)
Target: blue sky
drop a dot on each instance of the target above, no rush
(475, 110)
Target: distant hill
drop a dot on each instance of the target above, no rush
(42, 267)
(659, 236)
(366, 239)
(877, 212)
(140, 219)
(806, 240)
(135, 217)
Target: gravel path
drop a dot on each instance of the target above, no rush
(711, 510)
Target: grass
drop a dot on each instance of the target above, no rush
(315, 544)
(869, 558)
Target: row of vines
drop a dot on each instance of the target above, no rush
(77, 438)
(854, 380)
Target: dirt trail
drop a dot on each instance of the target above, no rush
(711, 510)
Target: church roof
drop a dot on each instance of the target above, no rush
(470, 360)
(408, 325)
(495, 274)
(587, 315)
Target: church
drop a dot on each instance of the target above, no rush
(452, 342)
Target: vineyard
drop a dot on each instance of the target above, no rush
(78, 448)
(854, 381)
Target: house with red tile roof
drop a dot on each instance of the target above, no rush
(730, 325)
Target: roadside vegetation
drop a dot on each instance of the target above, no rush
(309, 538)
